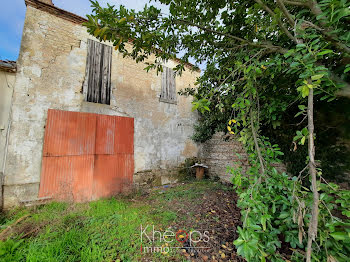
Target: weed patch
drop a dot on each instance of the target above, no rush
(104, 230)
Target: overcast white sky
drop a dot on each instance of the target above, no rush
(13, 13)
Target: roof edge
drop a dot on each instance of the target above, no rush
(8, 66)
(56, 11)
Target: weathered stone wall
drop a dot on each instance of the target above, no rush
(223, 151)
(220, 152)
(51, 71)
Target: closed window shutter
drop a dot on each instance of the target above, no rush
(98, 72)
(168, 93)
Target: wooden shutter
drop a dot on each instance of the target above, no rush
(98, 72)
(168, 93)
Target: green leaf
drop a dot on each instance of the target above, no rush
(327, 51)
(316, 77)
(289, 53)
(294, 64)
(302, 107)
(255, 227)
(238, 242)
(299, 113)
(284, 215)
(122, 20)
(346, 213)
(305, 91)
(305, 131)
(301, 45)
(97, 32)
(340, 236)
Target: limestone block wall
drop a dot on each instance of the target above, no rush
(220, 152)
(51, 72)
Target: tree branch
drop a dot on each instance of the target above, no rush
(279, 21)
(182, 21)
(296, 3)
(269, 46)
(257, 144)
(312, 232)
(285, 12)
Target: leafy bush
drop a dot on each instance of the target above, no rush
(276, 213)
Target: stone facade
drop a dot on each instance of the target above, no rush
(51, 72)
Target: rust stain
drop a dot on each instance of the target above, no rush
(86, 156)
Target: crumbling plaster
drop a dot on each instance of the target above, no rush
(51, 71)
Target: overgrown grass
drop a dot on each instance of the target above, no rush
(104, 230)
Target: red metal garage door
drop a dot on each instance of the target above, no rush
(86, 156)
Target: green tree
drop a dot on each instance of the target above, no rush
(262, 57)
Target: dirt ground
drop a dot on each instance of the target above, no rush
(213, 210)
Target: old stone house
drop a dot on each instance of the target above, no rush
(71, 132)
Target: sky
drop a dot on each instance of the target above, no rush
(13, 14)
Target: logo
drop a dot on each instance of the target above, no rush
(153, 241)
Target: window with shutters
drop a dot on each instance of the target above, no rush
(97, 86)
(168, 93)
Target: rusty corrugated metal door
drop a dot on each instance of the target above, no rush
(86, 156)
(69, 133)
(68, 178)
(105, 181)
(124, 147)
(114, 173)
(124, 142)
(68, 156)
